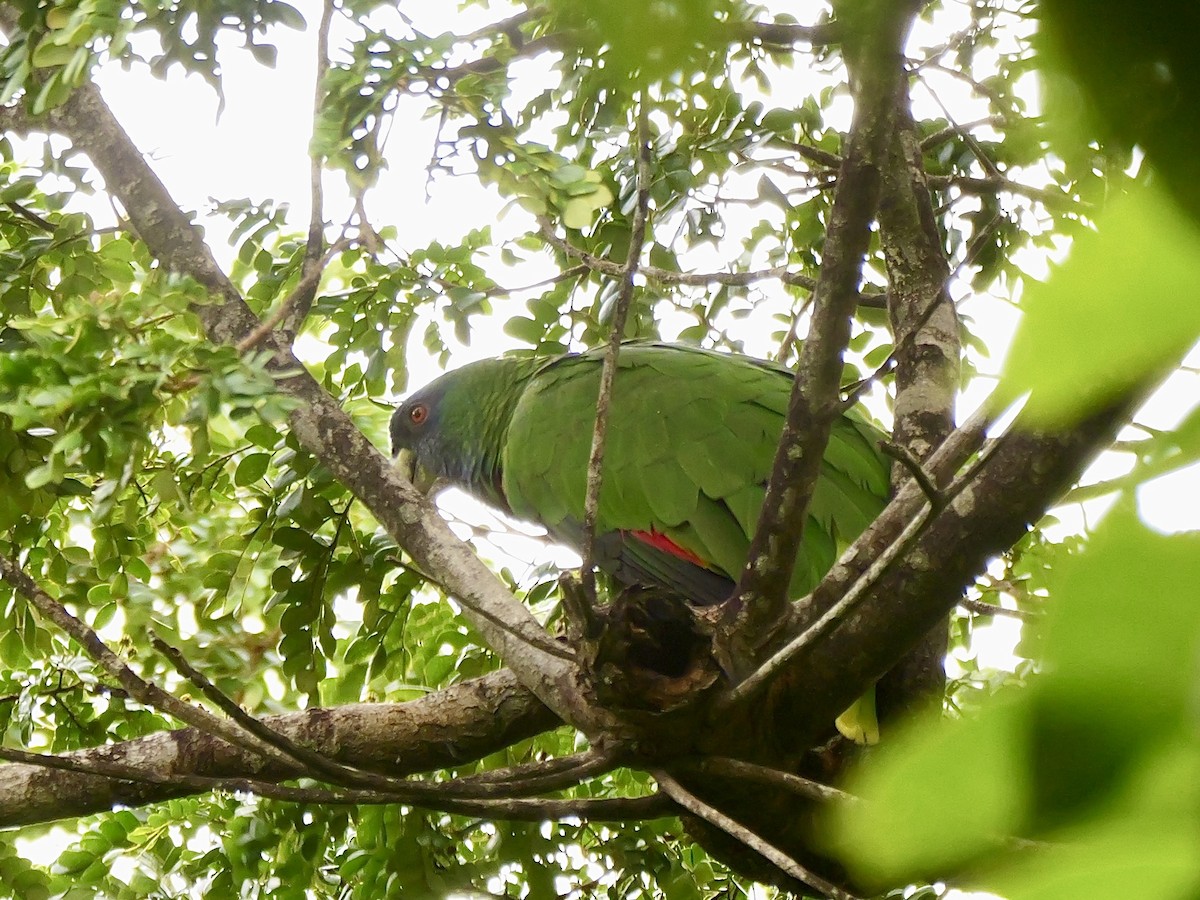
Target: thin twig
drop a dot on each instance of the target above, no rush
(935, 140)
(301, 300)
(913, 466)
(637, 239)
(983, 608)
(443, 77)
(698, 807)
(30, 216)
(988, 93)
(138, 688)
(538, 639)
(786, 34)
(300, 296)
(305, 287)
(812, 154)
(316, 764)
(688, 279)
(651, 806)
(793, 332)
(497, 290)
(994, 184)
(509, 28)
(536, 777)
(737, 768)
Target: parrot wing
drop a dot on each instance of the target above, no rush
(690, 444)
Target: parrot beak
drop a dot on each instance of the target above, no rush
(406, 462)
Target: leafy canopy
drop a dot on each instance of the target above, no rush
(149, 481)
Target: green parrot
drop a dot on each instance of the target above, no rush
(690, 444)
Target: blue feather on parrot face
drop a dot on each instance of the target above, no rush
(451, 431)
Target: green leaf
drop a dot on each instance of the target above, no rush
(40, 476)
(1116, 859)
(263, 435)
(935, 796)
(251, 469)
(1117, 312)
(1123, 637)
(50, 53)
(524, 329)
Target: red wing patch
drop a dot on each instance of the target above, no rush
(660, 541)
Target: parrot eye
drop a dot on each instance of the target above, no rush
(418, 414)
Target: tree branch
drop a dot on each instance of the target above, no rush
(786, 35)
(982, 608)
(319, 424)
(286, 315)
(925, 330)
(693, 279)
(726, 767)
(1022, 475)
(935, 140)
(448, 728)
(135, 686)
(637, 240)
(879, 539)
(510, 808)
(846, 603)
(535, 777)
(300, 300)
(760, 601)
(781, 35)
(713, 816)
(995, 184)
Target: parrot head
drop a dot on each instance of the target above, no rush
(452, 431)
(417, 437)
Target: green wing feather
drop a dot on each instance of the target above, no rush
(690, 444)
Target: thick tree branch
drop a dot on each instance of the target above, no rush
(1021, 477)
(925, 332)
(451, 727)
(847, 603)
(760, 600)
(872, 545)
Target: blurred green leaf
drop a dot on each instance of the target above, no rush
(935, 796)
(1076, 347)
